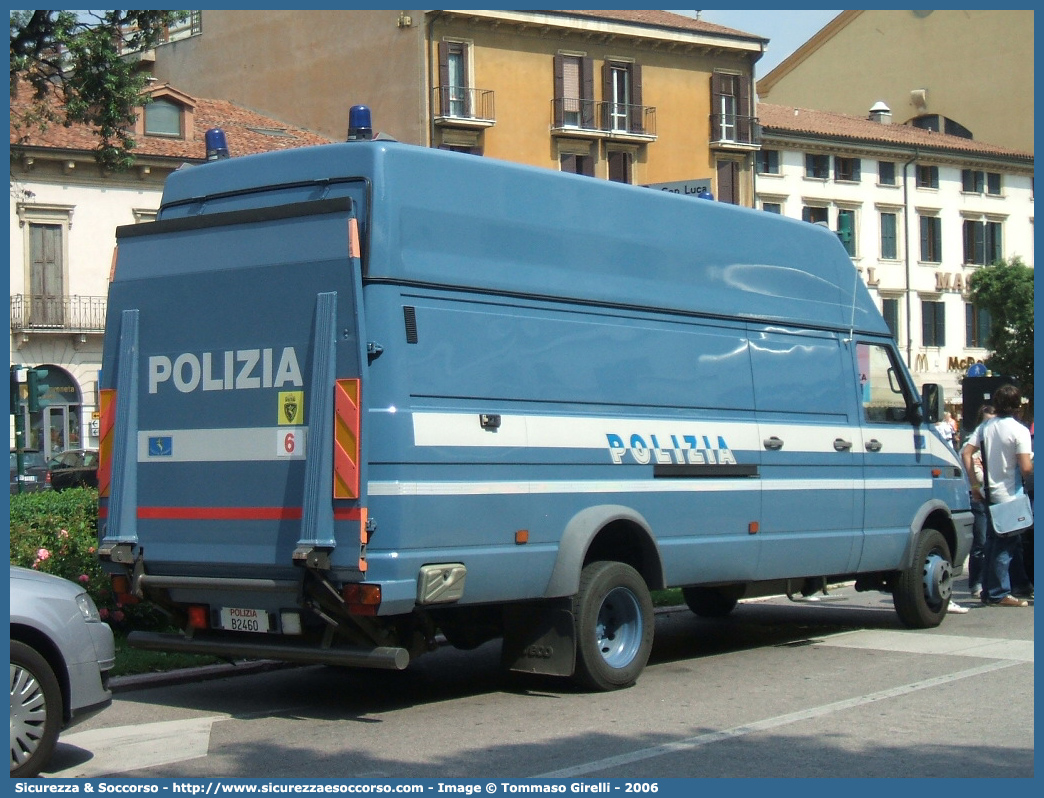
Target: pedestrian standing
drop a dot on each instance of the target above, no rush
(946, 429)
(977, 557)
(1007, 457)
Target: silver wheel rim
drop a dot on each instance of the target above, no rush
(938, 580)
(619, 628)
(28, 715)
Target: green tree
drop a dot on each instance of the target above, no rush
(75, 65)
(1005, 289)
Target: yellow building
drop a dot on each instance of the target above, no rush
(965, 72)
(645, 97)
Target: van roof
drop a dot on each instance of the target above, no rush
(458, 220)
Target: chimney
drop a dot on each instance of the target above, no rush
(881, 113)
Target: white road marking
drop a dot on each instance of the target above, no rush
(1006, 653)
(139, 746)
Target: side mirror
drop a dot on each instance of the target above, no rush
(932, 406)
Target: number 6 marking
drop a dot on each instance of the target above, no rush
(291, 443)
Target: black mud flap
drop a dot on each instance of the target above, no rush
(540, 638)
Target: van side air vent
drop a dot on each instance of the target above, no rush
(409, 315)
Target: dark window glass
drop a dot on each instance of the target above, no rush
(890, 311)
(846, 169)
(817, 166)
(886, 173)
(768, 162)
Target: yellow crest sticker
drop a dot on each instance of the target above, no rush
(291, 407)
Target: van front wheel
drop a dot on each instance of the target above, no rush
(922, 592)
(614, 626)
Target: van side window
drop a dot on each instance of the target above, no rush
(881, 386)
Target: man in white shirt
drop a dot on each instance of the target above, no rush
(1008, 456)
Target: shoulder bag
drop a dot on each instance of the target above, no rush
(1010, 517)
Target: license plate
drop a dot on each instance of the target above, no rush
(237, 619)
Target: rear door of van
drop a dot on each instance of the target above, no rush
(229, 336)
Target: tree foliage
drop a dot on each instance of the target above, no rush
(1005, 289)
(75, 65)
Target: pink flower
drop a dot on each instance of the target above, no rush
(63, 533)
(83, 579)
(104, 613)
(42, 554)
(117, 616)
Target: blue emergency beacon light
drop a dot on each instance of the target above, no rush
(360, 127)
(217, 145)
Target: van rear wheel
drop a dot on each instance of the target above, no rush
(710, 602)
(922, 592)
(614, 626)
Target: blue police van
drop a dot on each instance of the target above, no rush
(361, 395)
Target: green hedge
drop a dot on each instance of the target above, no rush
(57, 533)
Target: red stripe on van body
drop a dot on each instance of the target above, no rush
(237, 514)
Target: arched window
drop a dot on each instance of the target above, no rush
(941, 124)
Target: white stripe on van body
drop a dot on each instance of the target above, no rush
(493, 488)
(222, 445)
(258, 444)
(579, 432)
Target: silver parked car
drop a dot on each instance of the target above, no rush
(61, 653)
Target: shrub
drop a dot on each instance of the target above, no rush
(57, 533)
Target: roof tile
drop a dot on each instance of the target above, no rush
(788, 119)
(248, 132)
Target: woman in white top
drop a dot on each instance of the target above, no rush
(1008, 456)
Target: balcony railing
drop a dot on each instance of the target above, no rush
(570, 115)
(65, 314)
(735, 130)
(464, 107)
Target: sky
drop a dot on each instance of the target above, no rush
(785, 30)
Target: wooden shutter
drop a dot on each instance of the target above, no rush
(889, 241)
(715, 119)
(607, 94)
(637, 111)
(558, 104)
(993, 243)
(743, 112)
(444, 87)
(46, 273)
(465, 86)
(587, 93)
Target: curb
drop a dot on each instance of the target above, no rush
(140, 681)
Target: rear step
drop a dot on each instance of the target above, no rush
(386, 657)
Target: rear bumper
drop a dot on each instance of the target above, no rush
(382, 657)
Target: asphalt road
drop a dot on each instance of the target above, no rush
(836, 688)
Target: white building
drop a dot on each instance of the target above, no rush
(63, 219)
(918, 211)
